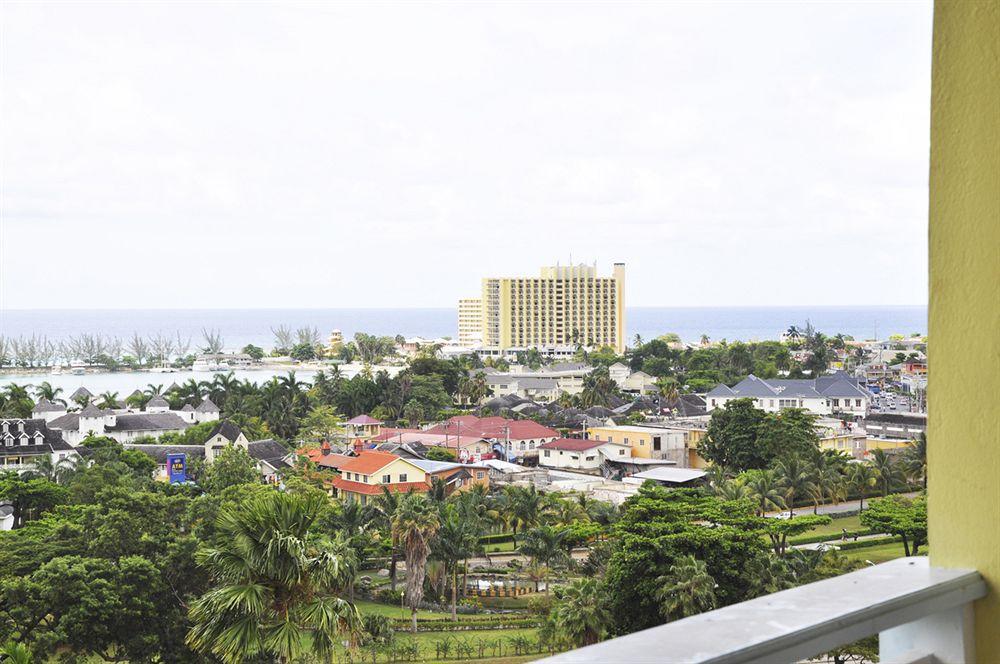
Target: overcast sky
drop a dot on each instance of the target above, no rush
(254, 155)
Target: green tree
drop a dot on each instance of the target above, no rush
(456, 540)
(860, 478)
(30, 498)
(274, 584)
(438, 453)
(255, 352)
(544, 545)
(581, 612)
(795, 478)
(232, 466)
(914, 460)
(899, 516)
(889, 472)
(765, 491)
(686, 590)
(731, 438)
(414, 526)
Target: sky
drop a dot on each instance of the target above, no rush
(217, 155)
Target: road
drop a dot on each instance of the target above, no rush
(846, 506)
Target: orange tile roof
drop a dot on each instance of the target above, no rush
(375, 489)
(369, 461)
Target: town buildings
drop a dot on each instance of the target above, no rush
(124, 425)
(580, 453)
(24, 441)
(564, 306)
(470, 322)
(646, 442)
(826, 395)
(371, 473)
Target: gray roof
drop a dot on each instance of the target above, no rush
(70, 421)
(92, 411)
(721, 390)
(158, 402)
(46, 406)
(81, 392)
(228, 430)
(429, 466)
(149, 422)
(188, 408)
(839, 384)
(207, 406)
(52, 439)
(269, 451)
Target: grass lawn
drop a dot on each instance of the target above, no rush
(835, 527)
(428, 653)
(366, 606)
(519, 602)
(880, 553)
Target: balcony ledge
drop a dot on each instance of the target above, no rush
(806, 621)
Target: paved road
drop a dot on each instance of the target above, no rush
(847, 506)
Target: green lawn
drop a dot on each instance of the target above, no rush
(880, 553)
(837, 525)
(428, 652)
(503, 547)
(366, 606)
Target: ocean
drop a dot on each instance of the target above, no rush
(253, 326)
(240, 327)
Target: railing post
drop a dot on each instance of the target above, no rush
(946, 637)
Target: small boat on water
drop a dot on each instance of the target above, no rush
(78, 371)
(163, 370)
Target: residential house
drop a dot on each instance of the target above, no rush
(580, 453)
(646, 442)
(509, 438)
(125, 426)
(25, 441)
(836, 393)
(632, 382)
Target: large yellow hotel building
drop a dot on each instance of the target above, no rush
(563, 306)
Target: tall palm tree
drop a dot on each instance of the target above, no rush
(456, 540)
(765, 490)
(796, 480)
(274, 584)
(914, 460)
(889, 471)
(525, 506)
(733, 489)
(414, 524)
(860, 478)
(384, 508)
(544, 545)
(54, 471)
(687, 589)
(582, 612)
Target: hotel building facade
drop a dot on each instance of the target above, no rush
(563, 306)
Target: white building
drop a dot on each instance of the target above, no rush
(580, 454)
(837, 393)
(23, 442)
(125, 426)
(632, 382)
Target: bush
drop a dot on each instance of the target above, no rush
(863, 544)
(829, 537)
(389, 596)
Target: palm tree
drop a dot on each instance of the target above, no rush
(582, 612)
(455, 541)
(274, 584)
(15, 653)
(687, 589)
(914, 460)
(54, 471)
(860, 478)
(888, 471)
(765, 490)
(384, 508)
(733, 489)
(414, 524)
(544, 545)
(109, 401)
(795, 479)
(44, 390)
(525, 506)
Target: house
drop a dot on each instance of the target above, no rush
(836, 393)
(646, 442)
(509, 438)
(466, 448)
(580, 453)
(363, 427)
(47, 410)
(23, 442)
(632, 382)
(81, 393)
(125, 425)
(365, 475)
(271, 456)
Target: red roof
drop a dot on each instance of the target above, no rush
(572, 444)
(368, 461)
(363, 419)
(374, 489)
(494, 427)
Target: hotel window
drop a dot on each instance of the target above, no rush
(621, 452)
(857, 402)
(547, 453)
(386, 479)
(402, 477)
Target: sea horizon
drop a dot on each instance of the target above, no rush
(242, 326)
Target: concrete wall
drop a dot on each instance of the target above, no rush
(964, 425)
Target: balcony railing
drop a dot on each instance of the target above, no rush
(921, 614)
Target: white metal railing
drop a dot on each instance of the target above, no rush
(921, 613)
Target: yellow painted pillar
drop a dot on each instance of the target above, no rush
(964, 343)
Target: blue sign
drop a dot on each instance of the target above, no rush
(177, 467)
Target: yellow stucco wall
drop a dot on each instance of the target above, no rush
(964, 424)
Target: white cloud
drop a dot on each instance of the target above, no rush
(392, 154)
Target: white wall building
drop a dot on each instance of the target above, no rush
(837, 393)
(126, 426)
(580, 454)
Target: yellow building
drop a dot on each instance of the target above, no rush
(470, 322)
(563, 306)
